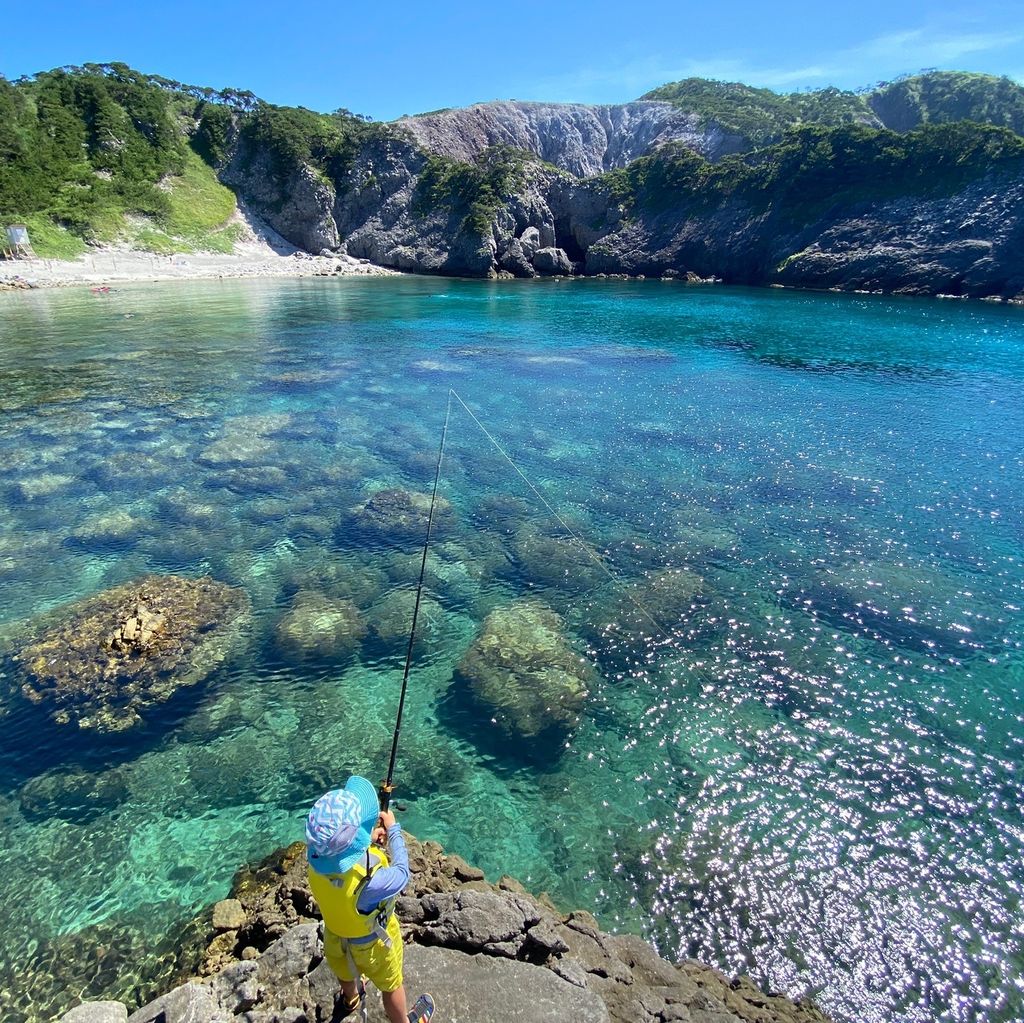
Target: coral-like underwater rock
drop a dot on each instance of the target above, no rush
(522, 669)
(401, 515)
(390, 620)
(558, 561)
(665, 601)
(111, 656)
(318, 627)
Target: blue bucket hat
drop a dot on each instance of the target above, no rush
(339, 826)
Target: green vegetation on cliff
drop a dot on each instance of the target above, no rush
(293, 137)
(941, 97)
(85, 151)
(480, 189)
(762, 116)
(85, 146)
(813, 167)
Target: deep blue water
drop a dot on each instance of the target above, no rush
(812, 775)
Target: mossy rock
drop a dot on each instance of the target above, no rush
(525, 674)
(390, 620)
(400, 516)
(319, 628)
(111, 656)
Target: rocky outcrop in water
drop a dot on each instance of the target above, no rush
(966, 243)
(108, 658)
(317, 627)
(522, 670)
(487, 952)
(401, 516)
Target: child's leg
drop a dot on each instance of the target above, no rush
(338, 962)
(350, 993)
(394, 1005)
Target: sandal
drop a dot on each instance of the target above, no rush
(422, 1009)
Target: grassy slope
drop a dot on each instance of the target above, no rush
(101, 154)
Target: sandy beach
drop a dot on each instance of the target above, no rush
(118, 266)
(260, 252)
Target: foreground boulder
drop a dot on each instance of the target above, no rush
(111, 656)
(522, 670)
(491, 953)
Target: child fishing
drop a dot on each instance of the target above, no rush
(355, 883)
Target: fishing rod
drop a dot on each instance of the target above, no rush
(388, 785)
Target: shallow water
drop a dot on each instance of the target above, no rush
(812, 775)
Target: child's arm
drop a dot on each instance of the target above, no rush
(387, 881)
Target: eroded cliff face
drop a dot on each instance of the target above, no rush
(379, 219)
(560, 216)
(299, 207)
(581, 140)
(969, 243)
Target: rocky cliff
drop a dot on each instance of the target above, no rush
(492, 953)
(582, 140)
(530, 189)
(913, 187)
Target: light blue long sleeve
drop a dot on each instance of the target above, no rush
(387, 881)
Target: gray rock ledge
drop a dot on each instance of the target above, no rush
(487, 953)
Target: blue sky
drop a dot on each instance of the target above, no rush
(386, 59)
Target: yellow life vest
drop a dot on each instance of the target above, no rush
(337, 896)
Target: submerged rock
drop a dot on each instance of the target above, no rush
(111, 656)
(319, 627)
(504, 513)
(556, 561)
(117, 527)
(522, 669)
(391, 619)
(73, 794)
(401, 515)
(662, 603)
(342, 578)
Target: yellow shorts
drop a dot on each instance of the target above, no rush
(381, 965)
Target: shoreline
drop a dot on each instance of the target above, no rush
(258, 955)
(128, 266)
(112, 265)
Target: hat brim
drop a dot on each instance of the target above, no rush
(344, 860)
(369, 803)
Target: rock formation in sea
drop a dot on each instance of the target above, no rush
(101, 662)
(400, 516)
(526, 676)
(318, 627)
(487, 952)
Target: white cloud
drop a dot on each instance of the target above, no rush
(930, 48)
(883, 56)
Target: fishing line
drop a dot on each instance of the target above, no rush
(387, 787)
(595, 557)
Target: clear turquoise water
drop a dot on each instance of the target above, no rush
(816, 780)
